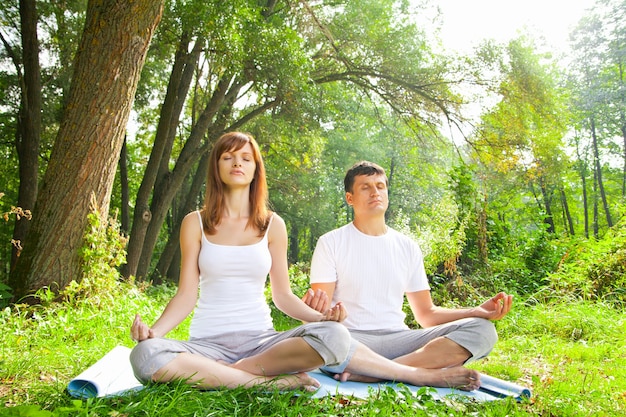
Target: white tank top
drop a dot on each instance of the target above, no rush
(232, 283)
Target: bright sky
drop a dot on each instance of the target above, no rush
(467, 22)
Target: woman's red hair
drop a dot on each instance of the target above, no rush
(214, 198)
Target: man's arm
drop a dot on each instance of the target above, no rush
(427, 314)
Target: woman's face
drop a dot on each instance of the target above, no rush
(237, 168)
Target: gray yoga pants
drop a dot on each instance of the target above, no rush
(476, 335)
(330, 339)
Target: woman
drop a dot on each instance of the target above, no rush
(227, 250)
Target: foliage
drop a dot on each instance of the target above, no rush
(5, 291)
(102, 253)
(594, 269)
(440, 234)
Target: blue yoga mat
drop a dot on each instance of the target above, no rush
(112, 375)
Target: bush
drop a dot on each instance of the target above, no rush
(103, 252)
(594, 270)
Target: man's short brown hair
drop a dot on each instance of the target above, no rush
(362, 168)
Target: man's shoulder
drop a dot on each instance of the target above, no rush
(337, 232)
(403, 238)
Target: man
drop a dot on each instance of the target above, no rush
(369, 268)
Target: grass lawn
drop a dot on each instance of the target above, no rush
(572, 354)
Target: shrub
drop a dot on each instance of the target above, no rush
(594, 270)
(102, 253)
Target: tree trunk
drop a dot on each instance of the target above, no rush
(125, 203)
(598, 168)
(582, 170)
(569, 224)
(294, 244)
(213, 118)
(29, 123)
(547, 205)
(109, 60)
(167, 186)
(191, 203)
(180, 79)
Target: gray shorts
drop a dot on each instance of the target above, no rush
(476, 335)
(331, 340)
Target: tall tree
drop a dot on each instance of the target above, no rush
(29, 121)
(594, 96)
(524, 132)
(274, 57)
(81, 170)
(613, 17)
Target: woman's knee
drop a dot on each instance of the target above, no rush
(146, 358)
(335, 341)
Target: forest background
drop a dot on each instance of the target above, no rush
(109, 109)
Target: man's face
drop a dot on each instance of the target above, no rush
(369, 194)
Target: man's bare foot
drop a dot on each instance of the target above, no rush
(301, 380)
(456, 377)
(347, 376)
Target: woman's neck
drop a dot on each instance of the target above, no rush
(237, 203)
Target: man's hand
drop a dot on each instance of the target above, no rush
(139, 330)
(319, 301)
(497, 306)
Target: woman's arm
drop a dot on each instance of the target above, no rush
(184, 301)
(282, 295)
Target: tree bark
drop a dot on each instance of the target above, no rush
(29, 123)
(598, 169)
(125, 195)
(180, 79)
(582, 170)
(191, 203)
(109, 60)
(547, 205)
(569, 224)
(294, 243)
(213, 119)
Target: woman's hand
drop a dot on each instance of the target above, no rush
(336, 313)
(139, 330)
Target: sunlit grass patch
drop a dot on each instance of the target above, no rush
(571, 372)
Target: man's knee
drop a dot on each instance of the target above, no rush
(486, 337)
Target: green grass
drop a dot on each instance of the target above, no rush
(571, 354)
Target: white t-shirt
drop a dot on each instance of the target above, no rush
(371, 275)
